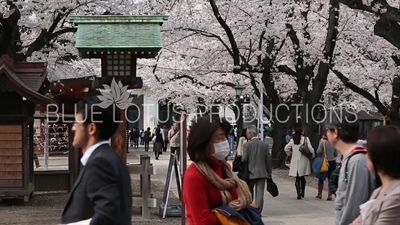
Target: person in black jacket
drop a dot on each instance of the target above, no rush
(102, 191)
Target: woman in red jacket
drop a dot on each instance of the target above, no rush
(209, 182)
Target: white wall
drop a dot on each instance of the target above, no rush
(149, 113)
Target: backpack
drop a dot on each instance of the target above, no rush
(356, 151)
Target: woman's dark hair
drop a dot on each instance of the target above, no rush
(201, 133)
(297, 135)
(384, 151)
(158, 130)
(243, 134)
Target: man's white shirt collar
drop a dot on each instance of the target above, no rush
(90, 150)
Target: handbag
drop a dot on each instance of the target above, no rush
(271, 187)
(244, 173)
(250, 215)
(236, 164)
(325, 162)
(305, 150)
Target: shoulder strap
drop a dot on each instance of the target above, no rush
(174, 134)
(355, 151)
(324, 146)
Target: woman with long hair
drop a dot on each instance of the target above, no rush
(242, 140)
(299, 164)
(325, 149)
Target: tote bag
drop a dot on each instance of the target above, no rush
(325, 162)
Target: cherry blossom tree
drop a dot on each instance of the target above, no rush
(275, 43)
(387, 12)
(39, 30)
(378, 57)
(287, 46)
(189, 69)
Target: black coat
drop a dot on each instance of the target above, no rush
(334, 181)
(102, 191)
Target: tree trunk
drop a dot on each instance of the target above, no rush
(278, 152)
(395, 107)
(9, 31)
(118, 140)
(280, 116)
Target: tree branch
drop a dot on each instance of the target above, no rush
(389, 30)
(299, 53)
(391, 13)
(195, 81)
(9, 30)
(387, 26)
(378, 104)
(45, 38)
(259, 61)
(228, 32)
(207, 34)
(287, 70)
(320, 80)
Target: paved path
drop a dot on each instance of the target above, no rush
(282, 210)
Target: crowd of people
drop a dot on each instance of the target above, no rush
(366, 185)
(363, 175)
(160, 137)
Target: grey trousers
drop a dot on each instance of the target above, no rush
(259, 186)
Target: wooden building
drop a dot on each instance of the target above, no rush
(22, 87)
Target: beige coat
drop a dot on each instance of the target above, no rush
(241, 142)
(299, 163)
(385, 210)
(174, 140)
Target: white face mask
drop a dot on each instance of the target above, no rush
(221, 150)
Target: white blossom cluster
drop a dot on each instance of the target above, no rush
(196, 61)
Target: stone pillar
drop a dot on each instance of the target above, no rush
(118, 140)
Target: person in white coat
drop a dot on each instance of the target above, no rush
(300, 164)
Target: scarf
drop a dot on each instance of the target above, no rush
(229, 183)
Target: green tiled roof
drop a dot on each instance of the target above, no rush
(118, 33)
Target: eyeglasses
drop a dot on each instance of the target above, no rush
(77, 123)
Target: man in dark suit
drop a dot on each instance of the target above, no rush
(102, 191)
(256, 154)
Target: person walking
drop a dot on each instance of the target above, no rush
(136, 136)
(287, 139)
(174, 138)
(325, 149)
(131, 138)
(158, 143)
(146, 139)
(165, 131)
(241, 142)
(299, 164)
(356, 182)
(141, 137)
(102, 193)
(256, 155)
